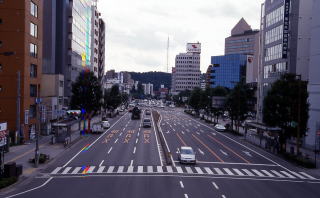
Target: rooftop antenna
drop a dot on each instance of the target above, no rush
(168, 54)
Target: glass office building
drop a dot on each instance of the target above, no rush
(227, 70)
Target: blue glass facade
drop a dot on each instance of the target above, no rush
(227, 70)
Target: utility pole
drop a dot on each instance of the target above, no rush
(18, 126)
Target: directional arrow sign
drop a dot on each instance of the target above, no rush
(247, 153)
(224, 153)
(200, 151)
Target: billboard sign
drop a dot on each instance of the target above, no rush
(286, 20)
(194, 47)
(3, 133)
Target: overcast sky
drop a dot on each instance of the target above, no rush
(137, 30)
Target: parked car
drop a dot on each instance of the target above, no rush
(220, 128)
(105, 124)
(146, 122)
(187, 155)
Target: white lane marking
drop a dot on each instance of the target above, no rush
(200, 151)
(137, 140)
(131, 163)
(76, 170)
(140, 169)
(150, 169)
(138, 134)
(247, 153)
(287, 174)
(101, 168)
(165, 141)
(156, 135)
(134, 150)
(277, 173)
(208, 170)
(258, 173)
(110, 170)
(110, 150)
(228, 171)
(238, 171)
(32, 189)
(182, 132)
(215, 185)
(248, 172)
(223, 196)
(189, 170)
(120, 169)
(91, 169)
(120, 134)
(214, 134)
(198, 169)
(66, 170)
(173, 129)
(267, 173)
(308, 176)
(116, 140)
(169, 169)
(297, 175)
(186, 196)
(66, 164)
(55, 171)
(223, 152)
(101, 163)
(181, 184)
(124, 129)
(218, 171)
(198, 133)
(179, 169)
(159, 169)
(130, 169)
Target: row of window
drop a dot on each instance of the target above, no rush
(275, 68)
(246, 40)
(185, 87)
(239, 46)
(273, 53)
(275, 16)
(184, 79)
(189, 57)
(194, 62)
(188, 70)
(187, 74)
(274, 35)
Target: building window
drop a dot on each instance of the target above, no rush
(33, 90)
(33, 30)
(33, 50)
(33, 9)
(61, 83)
(33, 71)
(32, 111)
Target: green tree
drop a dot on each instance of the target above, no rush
(221, 92)
(196, 99)
(112, 98)
(86, 93)
(286, 106)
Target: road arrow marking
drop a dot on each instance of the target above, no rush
(247, 153)
(223, 152)
(200, 151)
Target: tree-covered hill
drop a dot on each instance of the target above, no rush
(156, 78)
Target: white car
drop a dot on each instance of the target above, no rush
(105, 124)
(220, 128)
(187, 155)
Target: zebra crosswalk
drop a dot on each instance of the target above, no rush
(191, 170)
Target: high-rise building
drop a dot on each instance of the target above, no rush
(101, 57)
(284, 41)
(148, 89)
(186, 73)
(314, 80)
(95, 39)
(21, 39)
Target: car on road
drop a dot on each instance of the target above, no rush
(105, 124)
(97, 128)
(187, 155)
(146, 122)
(220, 128)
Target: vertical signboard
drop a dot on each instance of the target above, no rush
(286, 20)
(3, 134)
(26, 117)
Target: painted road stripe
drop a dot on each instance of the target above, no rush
(140, 169)
(120, 169)
(159, 169)
(130, 169)
(56, 170)
(150, 169)
(228, 171)
(258, 173)
(91, 169)
(179, 169)
(238, 171)
(116, 140)
(131, 162)
(208, 170)
(198, 169)
(267, 173)
(308, 176)
(137, 140)
(186, 196)
(218, 171)
(101, 163)
(101, 168)
(134, 150)
(215, 185)
(110, 170)
(169, 169)
(287, 174)
(297, 175)
(66, 170)
(248, 172)
(189, 170)
(110, 150)
(277, 173)
(76, 170)
(181, 184)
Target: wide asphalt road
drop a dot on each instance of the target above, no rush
(127, 161)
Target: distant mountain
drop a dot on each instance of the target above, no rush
(156, 78)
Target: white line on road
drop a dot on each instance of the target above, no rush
(181, 184)
(134, 150)
(110, 150)
(120, 134)
(223, 152)
(138, 134)
(202, 153)
(116, 140)
(223, 196)
(137, 140)
(101, 163)
(131, 163)
(215, 185)
(186, 196)
(214, 134)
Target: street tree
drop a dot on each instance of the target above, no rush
(286, 106)
(112, 98)
(86, 93)
(196, 99)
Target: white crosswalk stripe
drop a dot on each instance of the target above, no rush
(279, 174)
